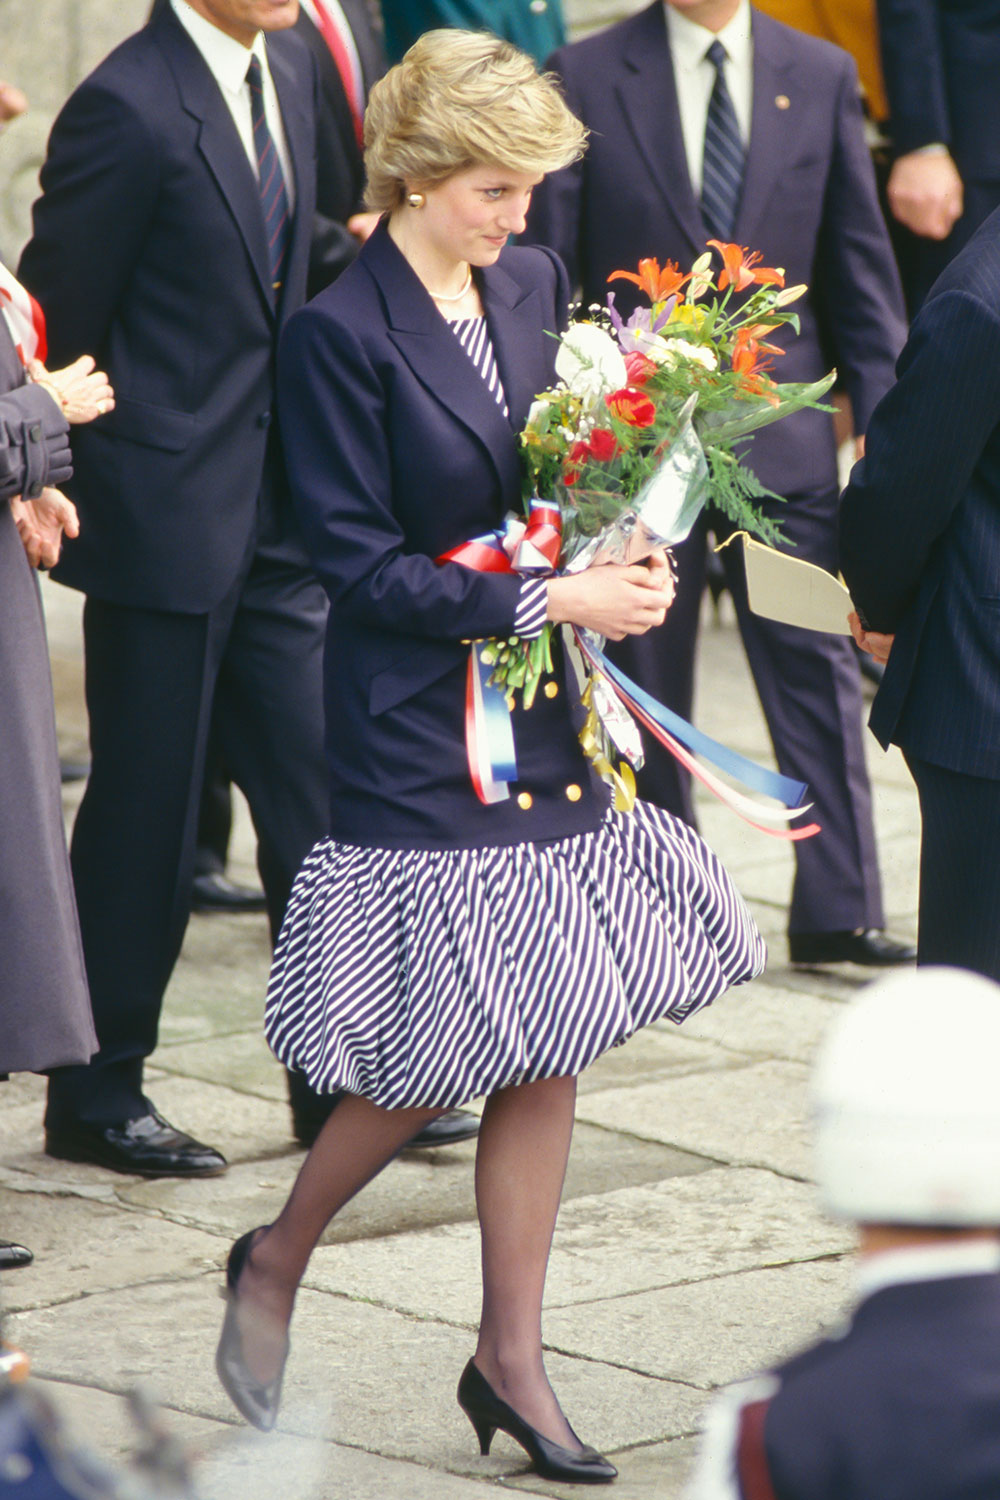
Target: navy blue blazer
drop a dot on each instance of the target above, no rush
(809, 204)
(941, 60)
(397, 452)
(149, 252)
(920, 523)
(906, 1406)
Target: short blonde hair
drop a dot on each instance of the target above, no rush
(463, 99)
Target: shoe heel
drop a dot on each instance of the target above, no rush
(484, 1432)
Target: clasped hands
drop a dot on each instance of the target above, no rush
(82, 393)
(925, 193)
(614, 600)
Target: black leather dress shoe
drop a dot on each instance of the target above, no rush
(310, 1112)
(215, 891)
(147, 1147)
(870, 948)
(447, 1130)
(12, 1256)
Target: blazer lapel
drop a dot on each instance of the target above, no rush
(438, 360)
(218, 143)
(648, 99)
(770, 127)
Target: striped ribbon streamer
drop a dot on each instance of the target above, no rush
(25, 318)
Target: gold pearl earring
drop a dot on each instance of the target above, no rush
(416, 200)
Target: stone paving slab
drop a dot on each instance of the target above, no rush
(357, 1374)
(235, 1463)
(751, 1116)
(107, 1249)
(420, 1189)
(684, 1230)
(709, 1333)
(765, 1020)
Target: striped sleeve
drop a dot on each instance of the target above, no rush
(532, 608)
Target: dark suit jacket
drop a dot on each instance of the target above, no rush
(397, 452)
(808, 204)
(149, 253)
(942, 61)
(340, 167)
(904, 1405)
(920, 523)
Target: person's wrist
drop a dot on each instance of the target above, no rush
(54, 392)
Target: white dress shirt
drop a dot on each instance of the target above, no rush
(228, 60)
(343, 26)
(694, 76)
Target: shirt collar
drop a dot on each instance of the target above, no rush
(227, 58)
(689, 42)
(927, 1263)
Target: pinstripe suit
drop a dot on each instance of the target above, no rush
(920, 549)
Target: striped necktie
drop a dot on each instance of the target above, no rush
(722, 170)
(273, 195)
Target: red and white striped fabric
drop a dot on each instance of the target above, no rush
(25, 318)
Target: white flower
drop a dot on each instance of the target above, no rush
(670, 352)
(590, 362)
(702, 277)
(537, 414)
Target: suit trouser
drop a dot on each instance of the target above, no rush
(810, 690)
(959, 914)
(152, 679)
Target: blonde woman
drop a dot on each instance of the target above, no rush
(437, 949)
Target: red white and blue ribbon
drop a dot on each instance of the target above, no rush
(533, 548)
(25, 318)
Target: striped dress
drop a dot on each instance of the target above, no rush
(432, 976)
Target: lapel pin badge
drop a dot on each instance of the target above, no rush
(782, 101)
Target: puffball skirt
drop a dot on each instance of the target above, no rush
(429, 977)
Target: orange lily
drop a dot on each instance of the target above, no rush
(657, 284)
(741, 269)
(756, 331)
(750, 362)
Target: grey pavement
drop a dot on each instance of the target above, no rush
(689, 1249)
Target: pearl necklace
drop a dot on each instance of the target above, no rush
(435, 297)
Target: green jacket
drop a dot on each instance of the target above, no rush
(536, 26)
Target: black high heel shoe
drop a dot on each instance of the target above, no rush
(256, 1401)
(487, 1413)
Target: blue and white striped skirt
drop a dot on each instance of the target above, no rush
(428, 977)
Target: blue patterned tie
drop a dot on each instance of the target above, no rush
(722, 172)
(273, 195)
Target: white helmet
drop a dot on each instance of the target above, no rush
(906, 1093)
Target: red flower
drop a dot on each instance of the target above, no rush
(603, 445)
(639, 367)
(631, 407)
(740, 267)
(658, 285)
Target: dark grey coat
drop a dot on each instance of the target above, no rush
(45, 1016)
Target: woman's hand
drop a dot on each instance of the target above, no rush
(82, 392)
(614, 601)
(42, 523)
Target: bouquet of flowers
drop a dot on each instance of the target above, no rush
(620, 458)
(638, 436)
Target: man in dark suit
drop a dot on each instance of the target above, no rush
(920, 550)
(173, 236)
(941, 63)
(349, 58)
(797, 186)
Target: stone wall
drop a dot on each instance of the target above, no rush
(49, 45)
